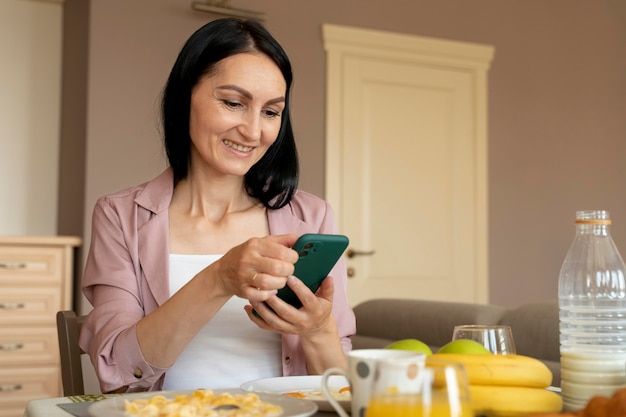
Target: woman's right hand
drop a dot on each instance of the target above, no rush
(257, 268)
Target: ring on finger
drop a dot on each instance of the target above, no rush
(253, 278)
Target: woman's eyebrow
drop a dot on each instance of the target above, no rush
(247, 94)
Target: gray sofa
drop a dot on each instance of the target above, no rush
(535, 326)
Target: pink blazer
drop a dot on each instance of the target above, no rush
(126, 277)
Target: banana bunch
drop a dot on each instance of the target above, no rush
(506, 385)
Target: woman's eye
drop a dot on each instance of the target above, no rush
(271, 113)
(232, 104)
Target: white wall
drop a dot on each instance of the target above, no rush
(30, 71)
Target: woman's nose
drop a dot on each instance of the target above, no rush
(251, 126)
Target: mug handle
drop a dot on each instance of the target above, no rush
(327, 374)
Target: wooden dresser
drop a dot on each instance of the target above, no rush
(36, 280)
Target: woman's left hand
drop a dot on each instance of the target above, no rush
(312, 318)
(313, 323)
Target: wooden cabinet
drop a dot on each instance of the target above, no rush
(36, 280)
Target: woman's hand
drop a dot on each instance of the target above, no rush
(313, 322)
(313, 318)
(257, 268)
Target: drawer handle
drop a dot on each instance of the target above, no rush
(12, 265)
(11, 306)
(11, 346)
(10, 387)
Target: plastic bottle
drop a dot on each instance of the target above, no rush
(592, 309)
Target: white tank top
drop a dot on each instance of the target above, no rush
(230, 349)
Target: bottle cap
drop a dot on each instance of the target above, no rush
(592, 221)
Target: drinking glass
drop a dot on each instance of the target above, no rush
(497, 339)
(437, 389)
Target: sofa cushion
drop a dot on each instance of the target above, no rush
(535, 329)
(381, 321)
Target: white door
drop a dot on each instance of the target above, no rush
(406, 163)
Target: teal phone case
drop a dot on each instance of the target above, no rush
(318, 254)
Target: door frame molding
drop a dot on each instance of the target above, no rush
(342, 41)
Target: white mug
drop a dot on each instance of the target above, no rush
(360, 373)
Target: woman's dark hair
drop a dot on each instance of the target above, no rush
(274, 178)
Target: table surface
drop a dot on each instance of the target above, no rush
(49, 407)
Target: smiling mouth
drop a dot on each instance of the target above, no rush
(237, 147)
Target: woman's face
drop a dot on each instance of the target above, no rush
(236, 113)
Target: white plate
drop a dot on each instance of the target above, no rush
(114, 407)
(281, 385)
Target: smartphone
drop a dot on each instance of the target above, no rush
(318, 254)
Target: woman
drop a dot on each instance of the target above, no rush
(178, 266)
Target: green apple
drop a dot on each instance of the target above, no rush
(463, 346)
(410, 344)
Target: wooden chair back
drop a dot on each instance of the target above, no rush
(68, 328)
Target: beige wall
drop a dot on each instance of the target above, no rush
(30, 70)
(557, 98)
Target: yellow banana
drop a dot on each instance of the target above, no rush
(500, 370)
(490, 400)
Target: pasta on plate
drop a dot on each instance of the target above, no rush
(202, 403)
